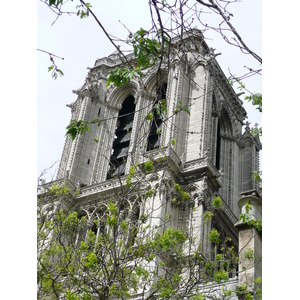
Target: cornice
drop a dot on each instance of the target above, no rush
(187, 173)
(45, 187)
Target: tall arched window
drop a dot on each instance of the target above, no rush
(122, 138)
(218, 147)
(224, 154)
(156, 123)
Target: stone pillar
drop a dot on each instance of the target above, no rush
(250, 242)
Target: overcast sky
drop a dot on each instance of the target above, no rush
(81, 41)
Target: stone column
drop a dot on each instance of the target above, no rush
(250, 241)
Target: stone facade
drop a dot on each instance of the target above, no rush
(211, 156)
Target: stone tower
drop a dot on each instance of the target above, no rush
(204, 150)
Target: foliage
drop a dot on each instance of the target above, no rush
(248, 219)
(256, 176)
(149, 117)
(173, 142)
(181, 196)
(207, 216)
(249, 254)
(55, 71)
(77, 127)
(120, 76)
(242, 293)
(59, 189)
(217, 202)
(220, 275)
(148, 166)
(214, 236)
(182, 107)
(116, 254)
(146, 52)
(256, 100)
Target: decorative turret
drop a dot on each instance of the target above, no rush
(250, 241)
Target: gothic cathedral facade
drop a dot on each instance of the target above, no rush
(198, 143)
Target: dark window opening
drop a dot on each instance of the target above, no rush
(88, 162)
(156, 123)
(218, 148)
(94, 228)
(134, 228)
(81, 231)
(99, 111)
(122, 138)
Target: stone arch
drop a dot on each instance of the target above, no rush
(196, 62)
(150, 82)
(122, 135)
(82, 229)
(226, 124)
(156, 90)
(99, 212)
(83, 213)
(117, 95)
(225, 153)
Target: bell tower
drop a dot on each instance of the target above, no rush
(194, 137)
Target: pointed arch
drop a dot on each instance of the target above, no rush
(154, 137)
(224, 153)
(115, 96)
(122, 137)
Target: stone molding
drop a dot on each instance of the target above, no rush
(191, 171)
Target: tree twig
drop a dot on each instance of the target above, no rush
(106, 33)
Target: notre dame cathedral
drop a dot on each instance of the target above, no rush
(198, 142)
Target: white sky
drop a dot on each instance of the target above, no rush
(81, 41)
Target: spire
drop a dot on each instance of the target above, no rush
(247, 128)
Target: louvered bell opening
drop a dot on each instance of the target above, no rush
(125, 124)
(154, 136)
(122, 138)
(117, 169)
(120, 170)
(120, 152)
(153, 142)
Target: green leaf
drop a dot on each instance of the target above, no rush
(77, 127)
(207, 216)
(217, 202)
(148, 166)
(220, 275)
(124, 225)
(214, 236)
(120, 76)
(257, 280)
(149, 117)
(50, 68)
(60, 72)
(149, 193)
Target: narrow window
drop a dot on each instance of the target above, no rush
(218, 148)
(99, 111)
(88, 162)
(122, 138)
(156, 124)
